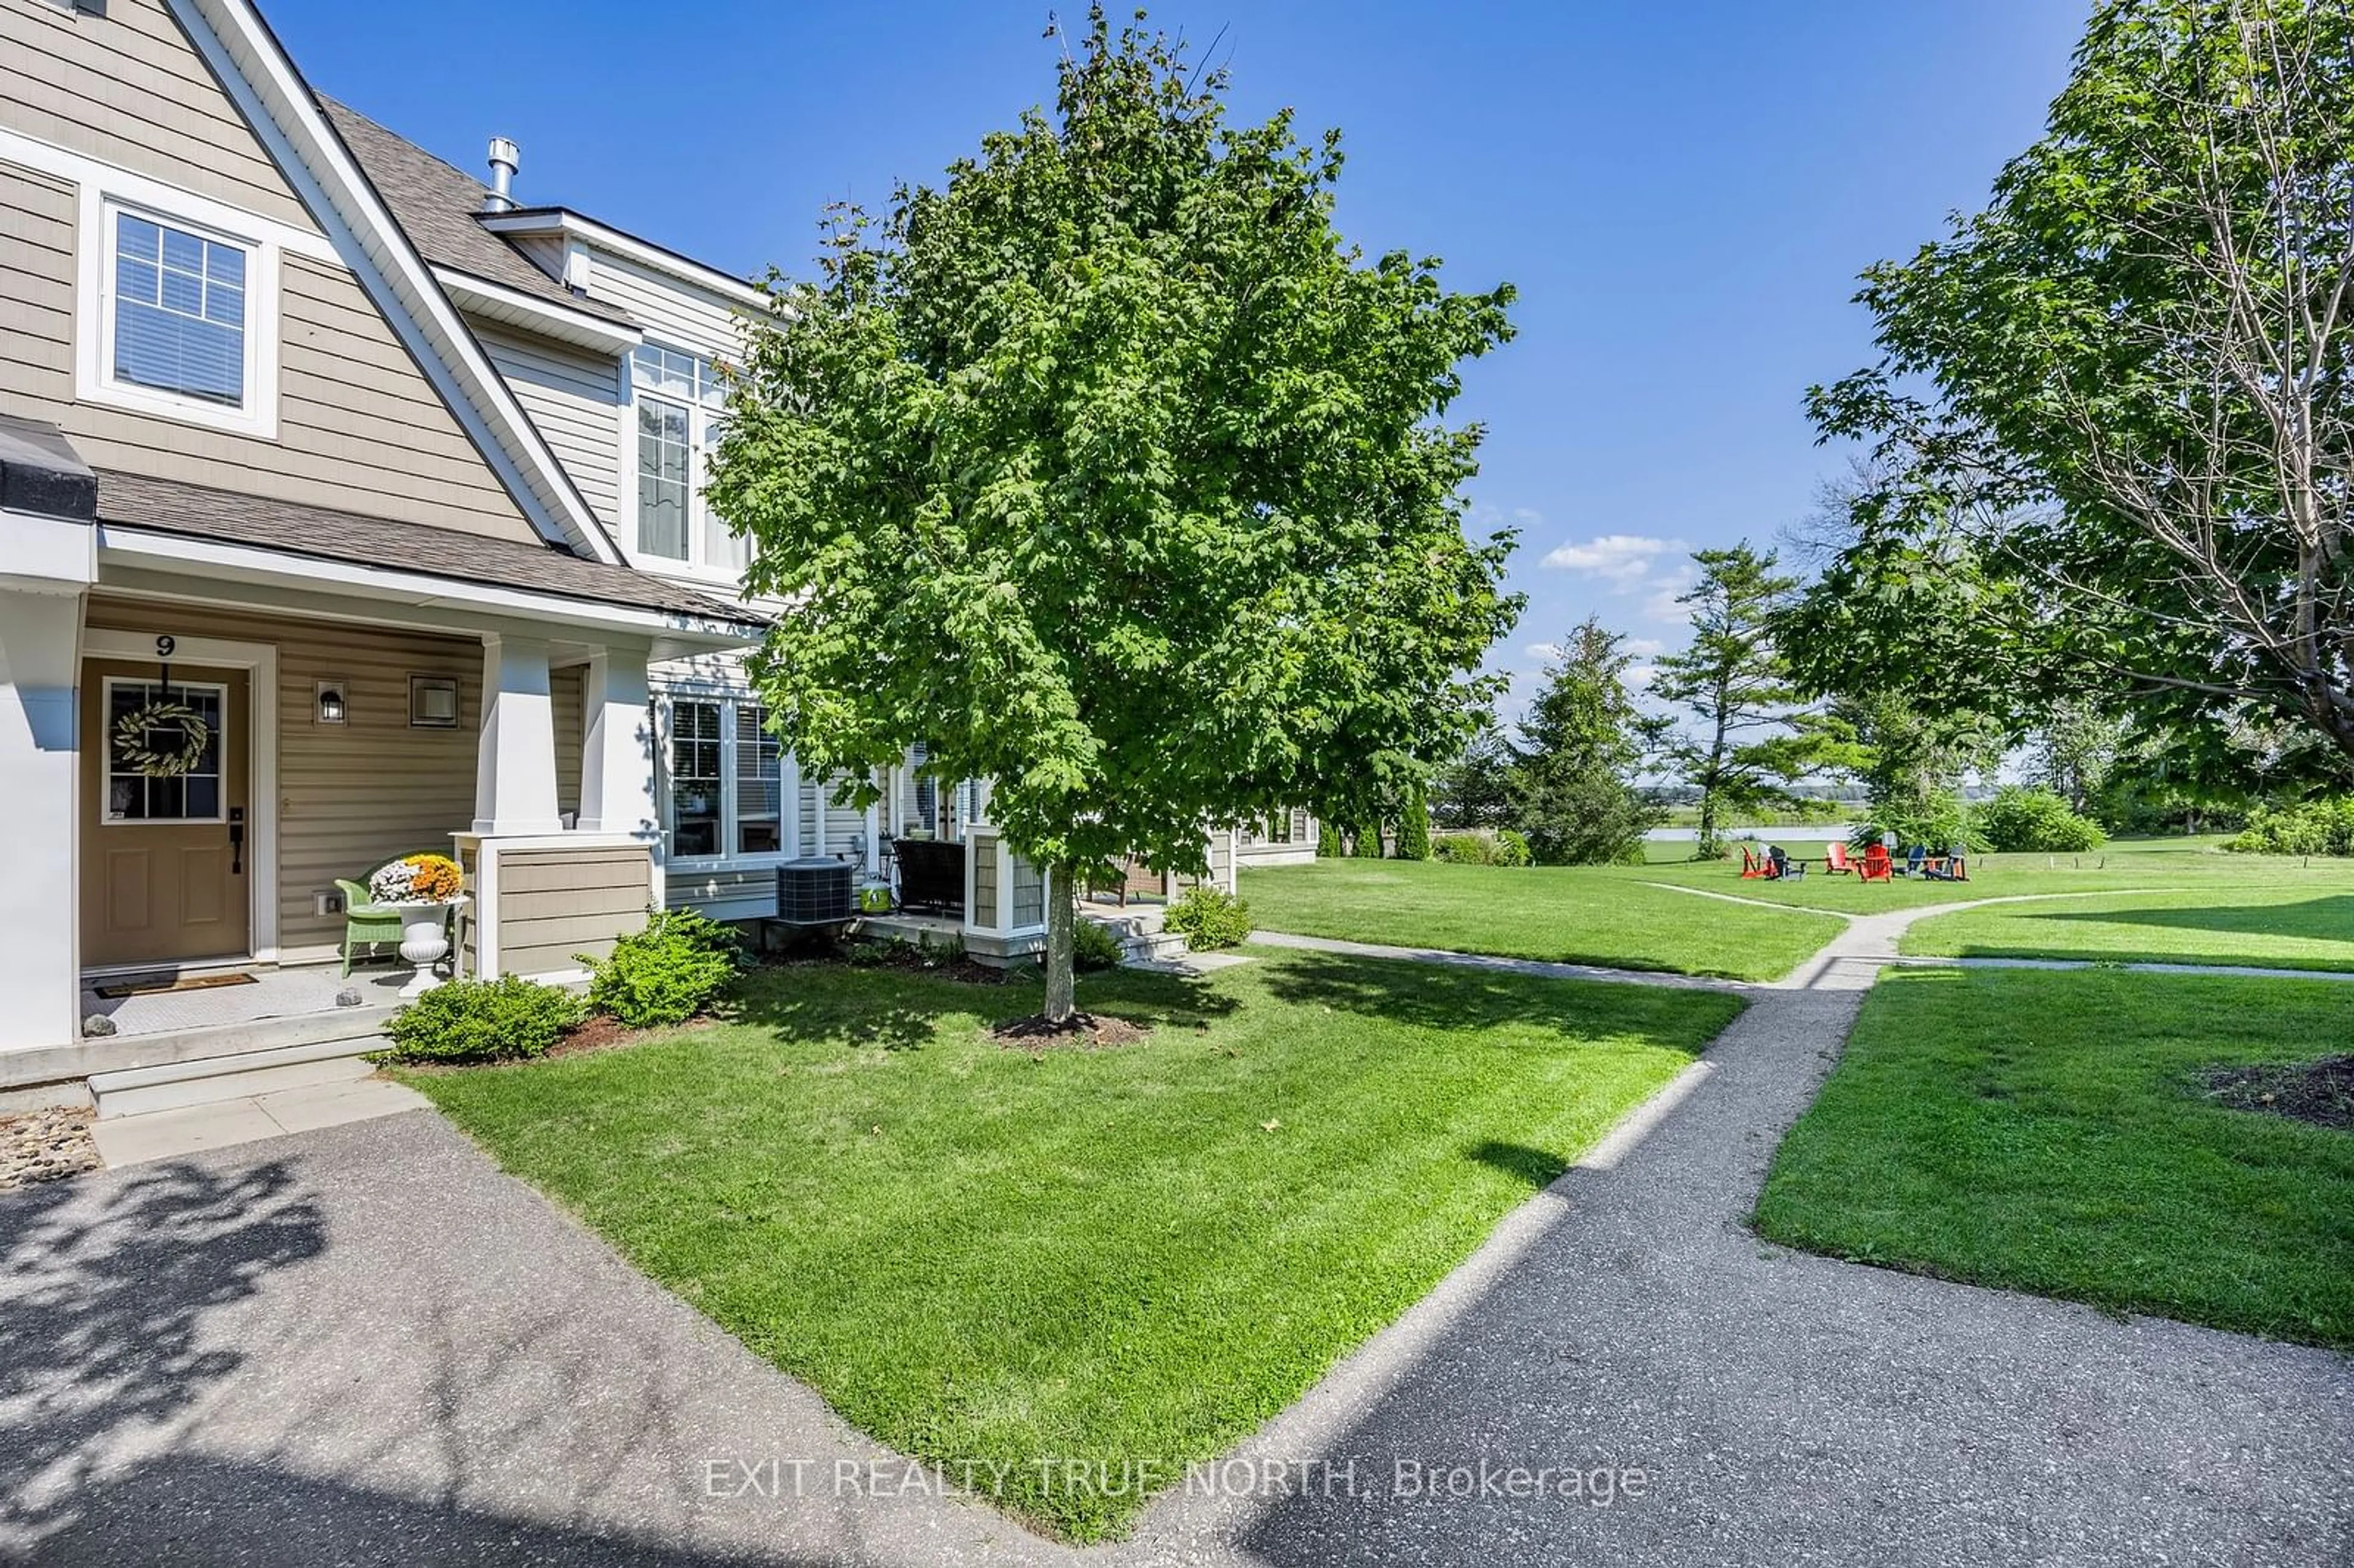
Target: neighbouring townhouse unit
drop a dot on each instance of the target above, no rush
(612, 343)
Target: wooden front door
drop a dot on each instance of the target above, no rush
(164, 861)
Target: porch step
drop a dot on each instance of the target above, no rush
(1154, 947)
(206, 1080)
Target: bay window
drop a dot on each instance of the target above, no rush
(679, 400)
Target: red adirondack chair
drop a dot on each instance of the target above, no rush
(1753, 866)
(1835, 859)
(1875, 865)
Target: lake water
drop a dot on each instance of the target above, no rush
(1805, 833)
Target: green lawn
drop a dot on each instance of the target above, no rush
(2045, 1132)
(1128, 1257)
(2307, 924)
(2160, 864)
(1584, 915)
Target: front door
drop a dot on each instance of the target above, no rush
(164, 861)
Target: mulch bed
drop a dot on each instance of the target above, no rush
(2319, 1092)
(606, 1033)
(1080, 1032)
(904, 955)
(44, 1145)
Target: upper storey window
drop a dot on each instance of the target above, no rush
(181, 319)
(179, 311)
(679, 424)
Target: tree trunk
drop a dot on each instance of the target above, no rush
(1061, 969)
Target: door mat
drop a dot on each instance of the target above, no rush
(122, 989)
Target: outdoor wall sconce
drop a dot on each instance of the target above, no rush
(330, 704)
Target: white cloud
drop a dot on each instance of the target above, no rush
(1645, 647)
(1639, 677)
(1547, 651)
(1624, 558)
(1662, 605)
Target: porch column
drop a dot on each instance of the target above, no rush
(40, 915)
(617, 757)
(514, 766)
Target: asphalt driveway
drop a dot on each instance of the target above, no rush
(365, 1345)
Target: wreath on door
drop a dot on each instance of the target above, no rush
(162, 740)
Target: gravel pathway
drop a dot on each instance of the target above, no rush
(365, 1345)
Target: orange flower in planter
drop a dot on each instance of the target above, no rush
(435, 879)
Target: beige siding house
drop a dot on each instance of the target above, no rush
(274, 468)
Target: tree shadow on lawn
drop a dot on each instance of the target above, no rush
(2328, 919)
(1538, 1168)
(900, 1011)
(1446, 996)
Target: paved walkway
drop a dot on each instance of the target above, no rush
(365, 1345)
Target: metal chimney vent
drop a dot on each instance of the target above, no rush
(505, 159)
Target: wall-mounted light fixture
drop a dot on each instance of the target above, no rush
(328, 705)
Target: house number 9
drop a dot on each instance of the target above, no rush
(164, 646)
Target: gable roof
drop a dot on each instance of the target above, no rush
(254, 68)
(436, 201)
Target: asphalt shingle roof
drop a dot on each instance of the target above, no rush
(436, 202)
(171, 506)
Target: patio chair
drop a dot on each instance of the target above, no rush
(1752, 867)
(365, 922)
(1784, 867)
(1836, 860)
(1875, 865)
(1915, 858)
(1951, 866)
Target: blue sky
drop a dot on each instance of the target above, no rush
(1682, 193)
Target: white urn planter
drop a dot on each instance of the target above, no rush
(424, 942)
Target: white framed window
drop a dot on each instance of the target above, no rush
(676, 426)
(758, 810)
(724, 779)
(697, 779)
(177, 317)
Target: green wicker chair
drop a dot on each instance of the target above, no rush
(365, 923)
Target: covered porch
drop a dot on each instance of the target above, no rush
(465, 697)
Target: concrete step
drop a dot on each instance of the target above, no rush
(1154, 945)
(208, 1080)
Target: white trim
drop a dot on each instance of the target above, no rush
(574, 226)
(248, 563)
(246, 59)
(102, 208)
(81, 169)
(42, 553)
(578, 327)
(260, 660)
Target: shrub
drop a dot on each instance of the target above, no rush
(666, 973)
(482, 1021)
(1327, 841)
(1093, 947)
(1209, 918)
(2018, 818)
(2313, 827)
(1413, 830)
(1365, 843)
(1941, 822)
(1464, 848)
(1502, 847)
